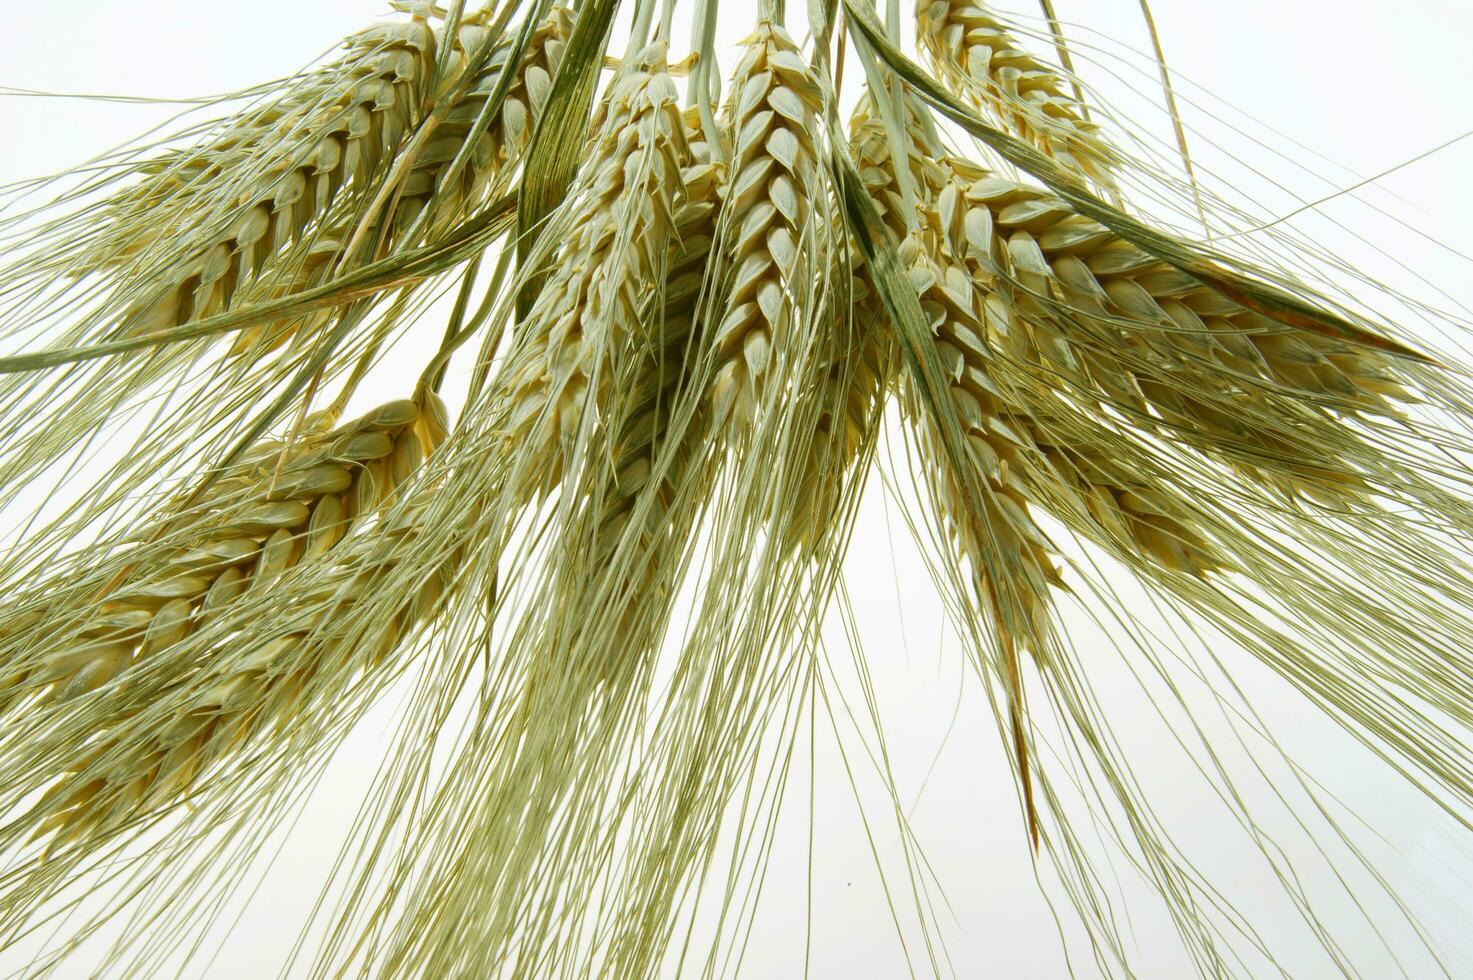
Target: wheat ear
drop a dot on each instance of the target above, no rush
(326, 485)
(974, 51)
(427, 186)
(621, 216)
(317, 122)
(497, 148)
(280, 506)
(340, 140)
(1007, 554)
(1068, 295)
(771, 237)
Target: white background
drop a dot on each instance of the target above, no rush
(1360, 85)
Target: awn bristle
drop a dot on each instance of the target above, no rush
(974, 51)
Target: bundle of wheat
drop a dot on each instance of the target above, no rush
(686, 354)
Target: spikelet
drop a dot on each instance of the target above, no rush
(1068, 295)
(974, 51)
(772, 240)
(622, 214)
(341, 138)
(279, 507)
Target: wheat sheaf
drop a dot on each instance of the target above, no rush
(666, 332)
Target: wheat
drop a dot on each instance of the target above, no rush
(493, 152)
(495, 149)
(772, 238)
(622, 218)
(677, 395)
(280, 506)
(338, 139)
(281, 511)
(862, 358)
(1071, 297)
(945, 289)
(663, 379)
(324, 125)
(974, 51)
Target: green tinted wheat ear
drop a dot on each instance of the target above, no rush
(269, 514)
(318, 123)
(862, 360)
(984, 510)
(272, 192)
(771, 237)
(256, 684)
(662, 377)
(975, 52)
(220, 588)
(428, 185)
(1071, 297)
(980, 497)
(621, 214)
(1108, 503)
